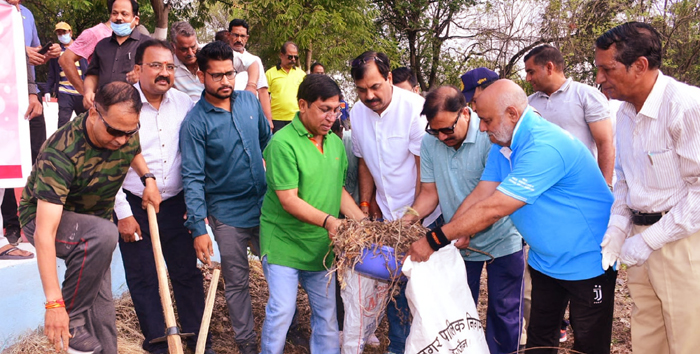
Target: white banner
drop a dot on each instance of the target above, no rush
(15, 150)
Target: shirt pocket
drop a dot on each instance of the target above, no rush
(663, 168)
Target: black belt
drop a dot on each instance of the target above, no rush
(645, 219)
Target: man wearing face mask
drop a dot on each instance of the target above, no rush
(69, 99)
(284, 80)
(113, 59)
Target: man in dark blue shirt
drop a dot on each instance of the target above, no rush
(221, 141)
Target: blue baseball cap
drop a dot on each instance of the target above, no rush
(475, 78)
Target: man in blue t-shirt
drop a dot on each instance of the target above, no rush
(552, 188)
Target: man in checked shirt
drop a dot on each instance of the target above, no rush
(654, 224)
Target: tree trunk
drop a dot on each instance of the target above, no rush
(309, 57)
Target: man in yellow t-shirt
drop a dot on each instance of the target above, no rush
(283, 81)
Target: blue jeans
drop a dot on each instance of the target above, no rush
(398, 315)
(282, 283)
(504, 312)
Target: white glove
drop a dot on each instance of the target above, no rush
(611, 246)
(635, 251)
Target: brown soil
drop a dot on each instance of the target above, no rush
(223, 338)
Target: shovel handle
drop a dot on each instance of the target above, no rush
(174, 341)
(208, 308)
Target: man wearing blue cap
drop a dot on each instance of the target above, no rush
(475, 81)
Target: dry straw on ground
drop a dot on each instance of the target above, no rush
(223, 338)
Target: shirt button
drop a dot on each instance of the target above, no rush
(163, 145)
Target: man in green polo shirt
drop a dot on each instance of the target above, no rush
(306, 169)
(283, 80)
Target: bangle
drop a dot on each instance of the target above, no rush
(54, 304)
(436, 239)
(252, 84)
(364, 204)
(326, 220)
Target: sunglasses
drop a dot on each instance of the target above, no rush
(361, 61)
(116, 132)
(293, 57)
(446, 131)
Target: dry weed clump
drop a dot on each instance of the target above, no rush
(355, 236)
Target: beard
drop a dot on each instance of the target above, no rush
(501, 135)
(219, 95)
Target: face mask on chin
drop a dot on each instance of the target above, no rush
(121, 29)
(64, 38)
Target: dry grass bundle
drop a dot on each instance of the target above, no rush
(355, 236)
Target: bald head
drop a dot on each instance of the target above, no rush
(500, 107)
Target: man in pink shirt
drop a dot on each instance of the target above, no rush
(82, 47)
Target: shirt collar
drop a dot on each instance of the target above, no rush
(299, 126)
(208, 107)
(166, 97)
(135, 35)
(653, 102)
(524, 116)
(563, 88)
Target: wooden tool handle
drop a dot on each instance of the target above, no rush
(174, 341)
(208, 307)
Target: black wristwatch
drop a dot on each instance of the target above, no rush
(147, 175)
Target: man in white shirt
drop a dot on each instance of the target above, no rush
(654, 223)
(238, 29)
(161, 115)
(185, 48)
(577, 108)
(387, 133)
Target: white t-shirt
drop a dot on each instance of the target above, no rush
(242, 77)
(389, 144)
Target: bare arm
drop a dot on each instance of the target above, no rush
(482, 191)
(151, 195)
(426, 201)
(253, 75)
(264, 97)
(603, 136)
(305, 212)
(366, 183)
(67, 62)
(90, 87)
(56, 320)
(418, 184)
(480, 216)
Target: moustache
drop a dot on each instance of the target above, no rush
(374, 100)
(225, 87)
(238, 43)
(167, 79)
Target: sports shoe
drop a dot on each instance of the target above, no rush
(83, 342)
(373, 341)
(562, 332)
(249, 347)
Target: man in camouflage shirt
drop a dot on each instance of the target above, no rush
(66, 212)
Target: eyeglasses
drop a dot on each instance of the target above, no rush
(293, 57)
(159, 66)
(116, 132)
(333, 114)
(446, 131)
(236, 35)
(361, 61)
(216, 77)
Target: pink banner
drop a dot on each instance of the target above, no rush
(15, 153)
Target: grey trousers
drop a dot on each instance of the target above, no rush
(86, 243)
(233, 245)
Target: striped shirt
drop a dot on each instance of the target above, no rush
(64, 85)
(658, 162)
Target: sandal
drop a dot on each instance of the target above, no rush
(6, 254)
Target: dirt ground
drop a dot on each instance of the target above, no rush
(223, 339)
